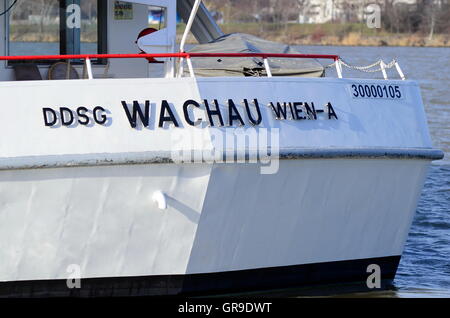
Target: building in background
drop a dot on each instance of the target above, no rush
(324, 11)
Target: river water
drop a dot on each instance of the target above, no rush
(425, 266)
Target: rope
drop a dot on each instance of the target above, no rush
(368, 68)
(9, 9)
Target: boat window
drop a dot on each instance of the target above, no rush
(157, 17)
(45, 27)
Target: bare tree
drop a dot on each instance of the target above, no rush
(426, 16)
(42, 8)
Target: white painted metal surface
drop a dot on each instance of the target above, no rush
(160, 199)
(312, 211)
(218, 217)
(164, 40)
(102, 219)
(363, 123)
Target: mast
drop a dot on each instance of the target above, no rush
(204, 27)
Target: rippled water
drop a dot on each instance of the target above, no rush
(425, 266)
(426, 260)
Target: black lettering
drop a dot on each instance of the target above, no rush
(279, 111)
(311, 111)
(361, 91)
(391, 91)
(83, 119)
(298, 111)
(137, 111)
(294, 117)
(367, 91)
(186, 112)
(66, 121)
(331, 112)
(233, 114)
(103, 118)
(355, 91)
(48, 122)
(253, 121)
(212, 113)
(380, 91)
(398, 93)
(373, 90)
(165, 108)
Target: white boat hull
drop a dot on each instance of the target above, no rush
(343, 196)
(103, 219)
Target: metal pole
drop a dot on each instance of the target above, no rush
(339, 68)
(383, 70)
(184, 38)
(181, 68)
(400, 72)
(267, 66)
(89, 68)
(191, 68)
(189, 24)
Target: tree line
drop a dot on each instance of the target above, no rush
(397, 16)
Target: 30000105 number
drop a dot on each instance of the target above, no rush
(376, 91)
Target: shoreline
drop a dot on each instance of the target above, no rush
(350, 40)
(193, 42)
(345, 35)
(351, 34)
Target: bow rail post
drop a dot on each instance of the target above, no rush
(267, 66)
(184, 39)
(338, 67)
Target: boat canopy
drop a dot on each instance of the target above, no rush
(245, 43)
(212, 40)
